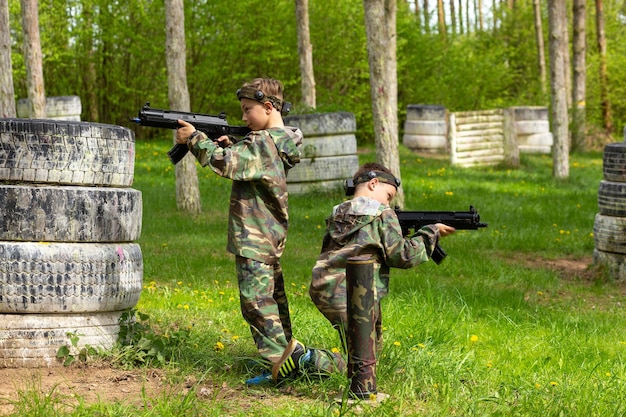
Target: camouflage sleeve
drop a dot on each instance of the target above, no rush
(242, 161)
(401, 251)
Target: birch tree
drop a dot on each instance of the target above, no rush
(381, 45)
(305, 52)
(187, 190)
(7, 94)
(33, 59)
(541, 53)
(558, 71)
(580, 75)
(604, 92)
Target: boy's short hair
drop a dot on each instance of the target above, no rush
(263, 90)
(369, 171)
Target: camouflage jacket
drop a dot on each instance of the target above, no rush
(258, 165)
(364, 226)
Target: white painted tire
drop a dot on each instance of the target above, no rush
(426, 143)
(537, 140)
(38, 277)
(609, 233)
(70, 214)
(66, 152)
(615, 263)
(32, 340)
(612, 198)
(323, 169)
(614, 162)
(531, 127)
(426, 127)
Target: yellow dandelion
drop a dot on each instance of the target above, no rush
(218, 346)
(537, 385)
(554, 383)
(179, 283)
(473, 338)
(608, 374)
(335, 350)
(372, 397)
(396, 343)
(235, 337)
(421, 345)
(186, 306)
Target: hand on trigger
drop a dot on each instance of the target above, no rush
(183, 132)
(444, 229)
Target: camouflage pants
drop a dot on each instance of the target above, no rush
(264, 306)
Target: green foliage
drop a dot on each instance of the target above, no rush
(141, 345)
(111, 54)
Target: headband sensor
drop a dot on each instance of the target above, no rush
(257, 95)
(384, 177)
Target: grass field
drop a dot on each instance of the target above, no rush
(498, 329)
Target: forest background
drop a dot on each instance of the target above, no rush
(112, 55)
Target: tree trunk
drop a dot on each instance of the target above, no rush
(452, 19)
(441, 20)
(187, 190)
(558, 49)
(305, 53)
(7, 93)
(541, 54)
(580, 76)
(604, 91)
(33, 59)
(382, 82)
(426, 17)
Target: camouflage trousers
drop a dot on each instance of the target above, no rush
(264, 306)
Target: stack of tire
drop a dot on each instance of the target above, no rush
(532, 129)
(69, 218)
(426, 128)
(609, 228)
(329, 151)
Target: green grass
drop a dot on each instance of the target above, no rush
(492, 331)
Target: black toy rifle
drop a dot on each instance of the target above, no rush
(460, 220)
(212, 126)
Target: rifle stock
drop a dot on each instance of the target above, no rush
(212, 126)
(460, 220)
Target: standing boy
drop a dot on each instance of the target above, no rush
(258, 214)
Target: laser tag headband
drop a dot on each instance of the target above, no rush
(257, 95)
(351, 183)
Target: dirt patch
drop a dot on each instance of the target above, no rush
(91, 383)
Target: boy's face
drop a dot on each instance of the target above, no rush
(379, 191)
(255, 114)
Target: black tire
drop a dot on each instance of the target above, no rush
(610, 233)
(615, 263)
(612, 198)
(69, 214)
(66, 152)
(40, 277)
(32, 340)
(614, 162)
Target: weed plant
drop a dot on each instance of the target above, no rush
(492, 331)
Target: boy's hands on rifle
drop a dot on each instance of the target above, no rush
(444, 229)
(184, 132)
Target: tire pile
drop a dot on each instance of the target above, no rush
(329, 151)
(68, 219)
(609, 228)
